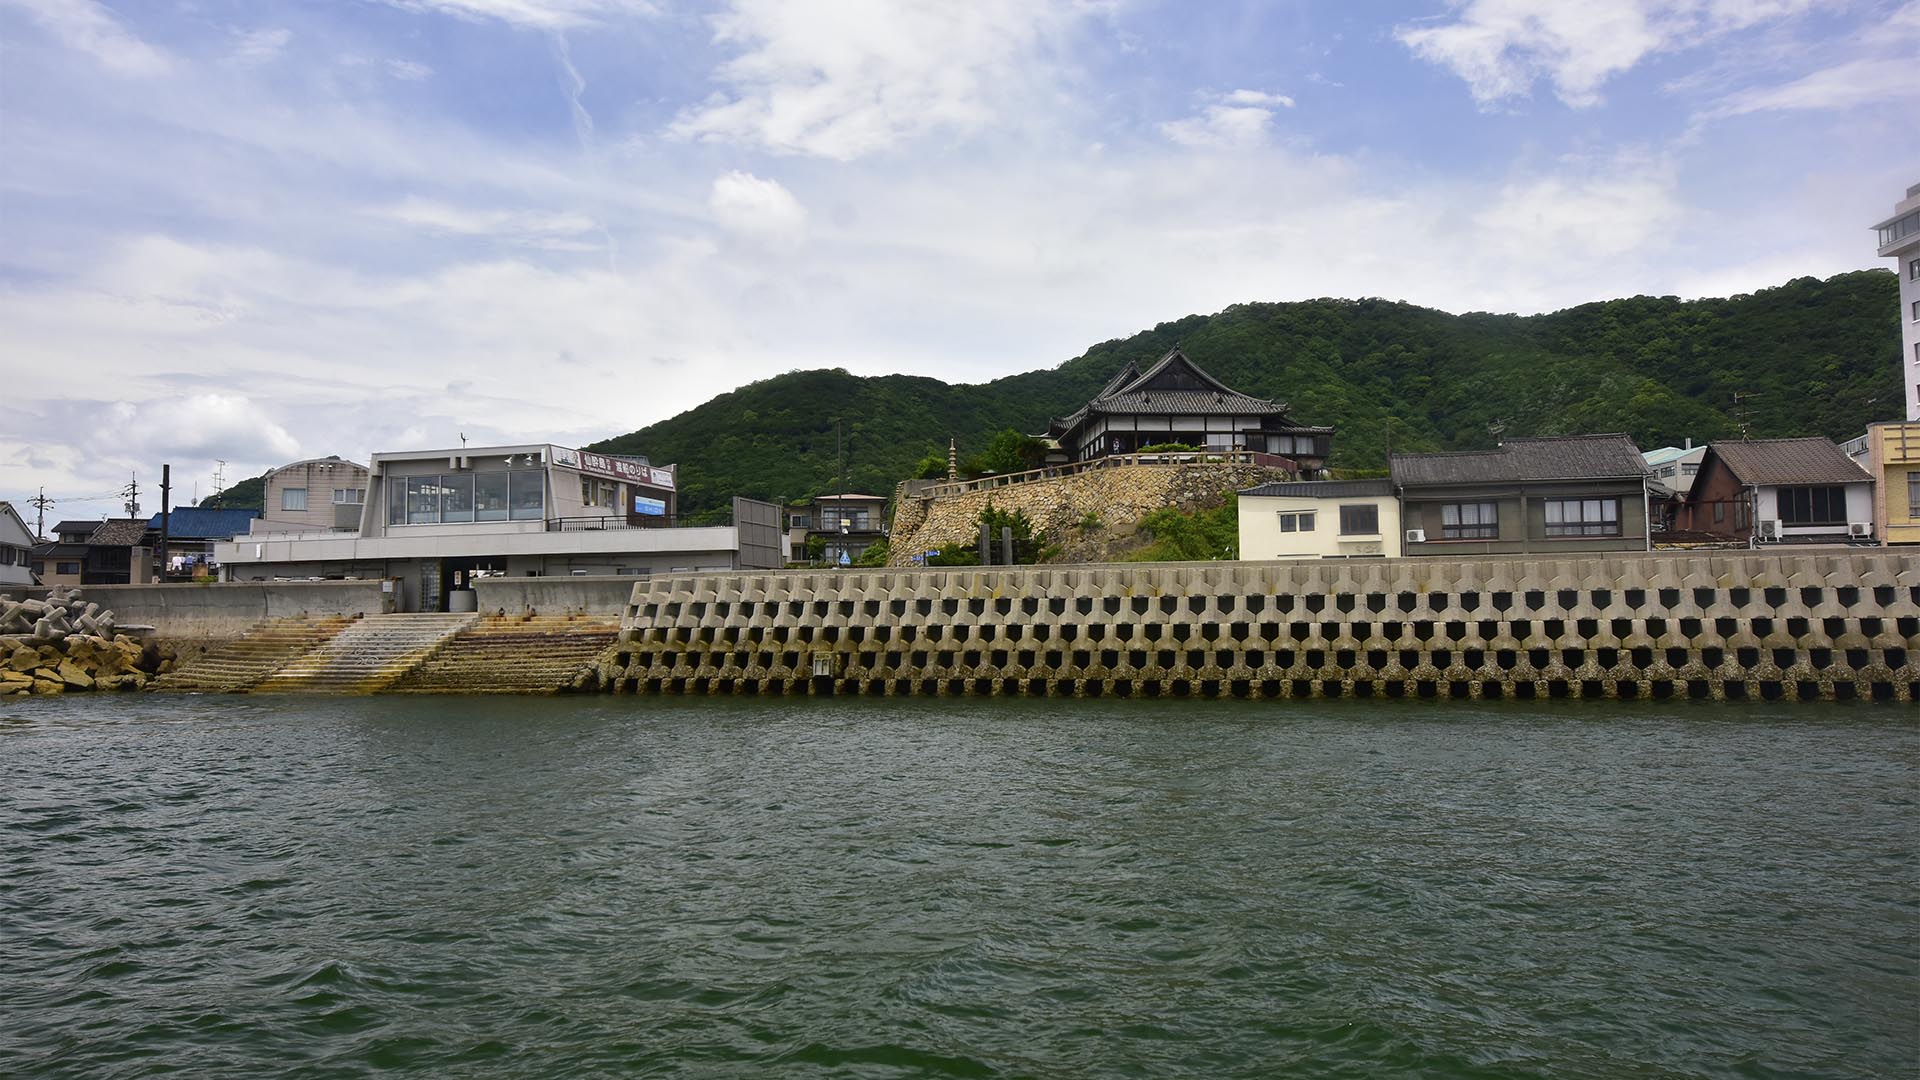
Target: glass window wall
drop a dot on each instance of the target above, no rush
(528, 495)
(490, 496)
(459, 498)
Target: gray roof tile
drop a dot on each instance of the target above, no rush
(1575, 457)
(1325, 489)
(1788, 461)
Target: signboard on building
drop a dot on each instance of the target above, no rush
(649, 507)
(617, 468)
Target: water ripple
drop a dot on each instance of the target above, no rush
(446, 887)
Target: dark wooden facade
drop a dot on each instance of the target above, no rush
(1174, 401)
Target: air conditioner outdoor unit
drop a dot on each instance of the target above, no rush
(1860, 528)
(1416, 536)
(1770, 528)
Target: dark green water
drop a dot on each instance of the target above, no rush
(452, 887)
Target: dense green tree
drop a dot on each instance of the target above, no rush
(1810, 357)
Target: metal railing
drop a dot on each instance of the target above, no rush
(1112, 461)
(602, 522)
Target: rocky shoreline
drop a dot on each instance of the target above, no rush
(65, 644)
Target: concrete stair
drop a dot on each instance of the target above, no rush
(367, 656)
(514, 654)
(237, 665)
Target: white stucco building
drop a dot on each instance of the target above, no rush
(1899, 238)
(1320, 519)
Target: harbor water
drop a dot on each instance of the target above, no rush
(446, 886)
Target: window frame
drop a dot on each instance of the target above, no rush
(1789, 506)
(287, 499)
(1484, 526)
(1295, 521)
(1913, 495)
(1353, 510)
(1592, 517)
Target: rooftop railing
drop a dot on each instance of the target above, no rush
(597, 523)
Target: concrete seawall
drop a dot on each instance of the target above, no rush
(198, 612)
(601, 595)
(1834, 625)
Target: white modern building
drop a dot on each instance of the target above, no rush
(435, 519)
(1900, 240)
(16, 547)
(1320, 519)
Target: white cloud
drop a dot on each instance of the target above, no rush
(1853, 83)
(758, 210)
(848, 78)
(552, 230)
(1882, 67)
(1237, 120)
(409, 70)
(259, 46)
(205, 425)
(1582, 212)
(1502, 47)
(88, 27)
(1258, 97)
(533, 14)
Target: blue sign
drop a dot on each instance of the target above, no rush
(649, 507)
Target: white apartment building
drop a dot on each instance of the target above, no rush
(1900, 240)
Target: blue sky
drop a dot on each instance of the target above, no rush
(255, 232)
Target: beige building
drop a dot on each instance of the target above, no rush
(1891, 455)
(317, 494)
(1322, 519)
(1899, 238)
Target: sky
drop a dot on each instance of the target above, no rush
(253, 232)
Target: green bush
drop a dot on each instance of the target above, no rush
(1192, 537)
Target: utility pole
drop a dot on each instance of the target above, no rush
(132, 492)
(166, 514)
(40, 502)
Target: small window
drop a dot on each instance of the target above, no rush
(800, 521)
(1470, 521)
(1719, 512)
(293, 498)
(349, 496)
(1361, 519)
(67, 568)
(587, 491)
(1916, 311)
(1583, 517)
(1297, 521)
(1689, 468)
(1913, 269)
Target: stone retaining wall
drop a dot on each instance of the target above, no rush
(1806, 626)
(1118, 496)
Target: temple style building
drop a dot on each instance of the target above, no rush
(1174, 401)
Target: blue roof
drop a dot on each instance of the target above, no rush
(198, 523)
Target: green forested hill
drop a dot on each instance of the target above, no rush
(1809, 357)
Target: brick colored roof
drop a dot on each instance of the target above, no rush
(119, 532)
(1574, 457)
(1325, 489)
(1788, 461)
